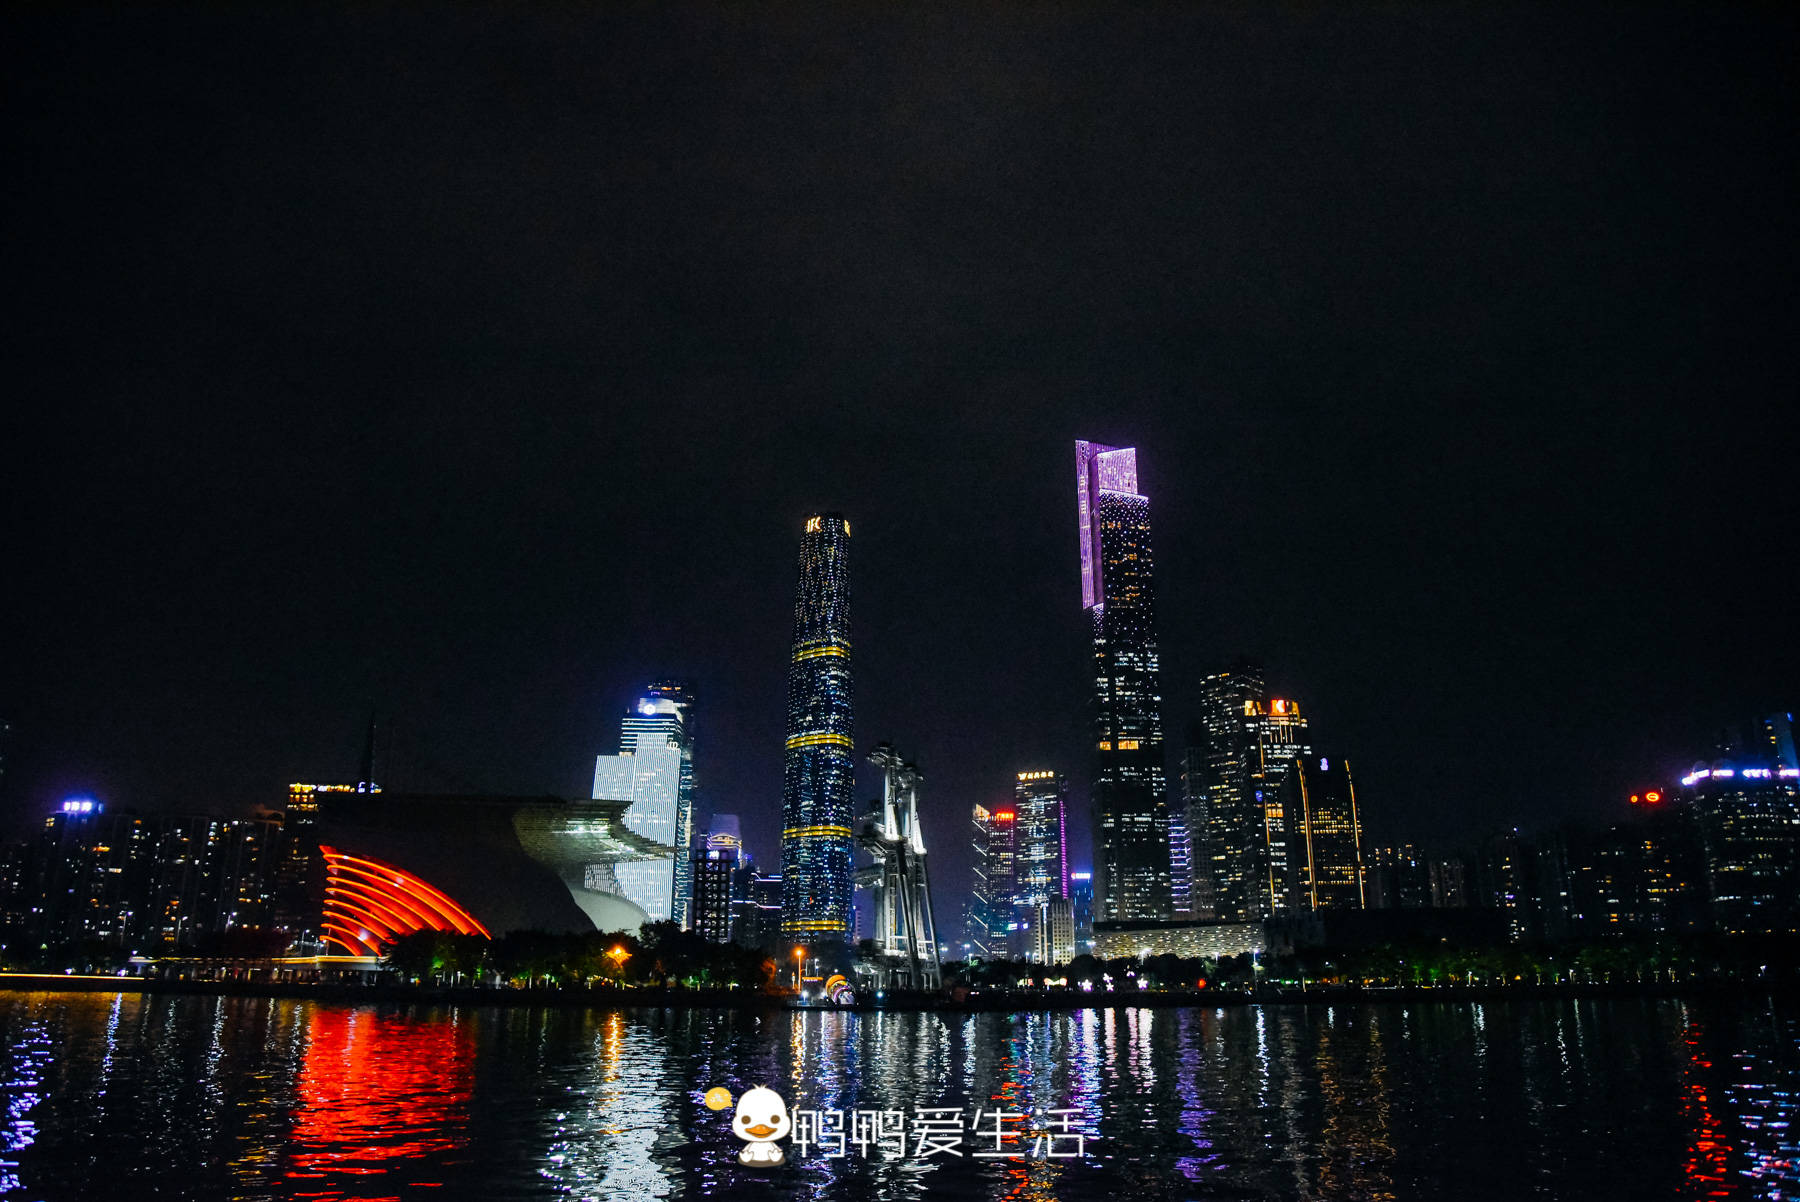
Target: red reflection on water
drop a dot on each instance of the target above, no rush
(1709, 1152)
(376, 1092)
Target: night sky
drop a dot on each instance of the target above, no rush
(476, 366)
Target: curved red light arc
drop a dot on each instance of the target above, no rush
(402, 917)
(387, 872)
(351, 941)
(438, 895)
(422, 908)
(379, 925)
(395, 885)
(369, 905)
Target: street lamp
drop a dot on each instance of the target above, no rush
(619, 955)
(799, 958)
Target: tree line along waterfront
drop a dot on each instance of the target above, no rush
(663, 960)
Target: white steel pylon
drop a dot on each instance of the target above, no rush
(905, 932)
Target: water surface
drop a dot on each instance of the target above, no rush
(121, 1095)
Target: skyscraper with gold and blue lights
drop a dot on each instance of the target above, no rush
(819, 770)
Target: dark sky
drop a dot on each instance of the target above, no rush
(478, 365)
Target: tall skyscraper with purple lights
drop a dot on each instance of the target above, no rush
(1118, 589)
(819, 772)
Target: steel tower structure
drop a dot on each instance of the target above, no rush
(905, 932)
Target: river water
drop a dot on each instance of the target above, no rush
(127, 1096)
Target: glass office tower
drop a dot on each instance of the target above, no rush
(665, 714)
(819, 773)
(648, 772)
(1118, 589)
(1043, 850)
(1239, 755)
(1324, 836)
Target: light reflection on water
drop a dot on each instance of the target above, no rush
(110, 1094)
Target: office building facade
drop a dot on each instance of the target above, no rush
(1053, 932)
(1040, 801)
(1748, 815)
(1240, 751)
(714, 871)
(666, 714)
(647, 775)
(1324, 836)
(991, 919)
(1081, 907)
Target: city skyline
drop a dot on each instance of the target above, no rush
(541, 649)
(492, 459)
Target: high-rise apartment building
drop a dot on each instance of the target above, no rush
(647, 773)
(1240, 752)
(1399, 878)
(818, 773)
(1118, 590)
(150, 884)
(299, 877)
(1324, 830)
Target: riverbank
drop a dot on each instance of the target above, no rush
(609, 998)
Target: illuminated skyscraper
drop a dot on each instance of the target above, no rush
(1239, 754)
(665, 714)
(1749, 820)
(1324, 843)
(648, 774)
(1042, 857)
(1081, 904)
(992, 919)
(819, 772)
(1118, 589)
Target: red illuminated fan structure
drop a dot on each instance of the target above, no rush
(369, 905)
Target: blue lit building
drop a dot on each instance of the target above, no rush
(818, 773)
(647, 774)
(665, 716)
(1081, 904)
(1749, 821)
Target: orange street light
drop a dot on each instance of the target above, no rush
(619, 955)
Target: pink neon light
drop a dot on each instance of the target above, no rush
(1098, 469)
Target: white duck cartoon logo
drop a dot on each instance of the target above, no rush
(761, 1119)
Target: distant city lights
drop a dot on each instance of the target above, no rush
(1701, 774)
